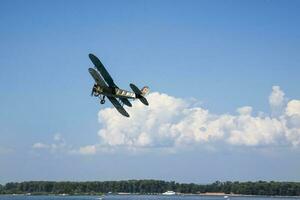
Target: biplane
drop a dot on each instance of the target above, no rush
(105, 87)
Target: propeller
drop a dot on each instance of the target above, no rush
(93, 90)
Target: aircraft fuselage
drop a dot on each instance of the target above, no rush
(113, 92)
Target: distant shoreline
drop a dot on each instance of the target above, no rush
(259, 188)
(158, 194)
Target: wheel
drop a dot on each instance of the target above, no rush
(102, 101)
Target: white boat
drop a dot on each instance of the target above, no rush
(169, 193)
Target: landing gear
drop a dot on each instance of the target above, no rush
(102, 101)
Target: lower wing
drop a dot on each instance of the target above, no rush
(126, 102)
(118, 106)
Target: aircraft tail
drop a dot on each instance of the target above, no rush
(145, 90)
(140, 94)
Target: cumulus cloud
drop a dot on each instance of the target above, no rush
(292, 121)
(293, 108)
(173, 123)
(277, 100)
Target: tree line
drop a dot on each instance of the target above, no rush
(151, 187)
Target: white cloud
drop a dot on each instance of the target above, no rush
(88, 150)
(58, 144)
(277, 100)
(172, 123)
(254, 131)
(293, 108)
(292, 121)
(246, 110)
(57, 137)
(40, 145)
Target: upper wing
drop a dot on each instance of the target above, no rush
(118, 106)
(102, 70)
(97, 77)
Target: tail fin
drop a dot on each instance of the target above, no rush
(140, 93)
(145, 90)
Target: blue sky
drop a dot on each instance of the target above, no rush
(224, 54)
